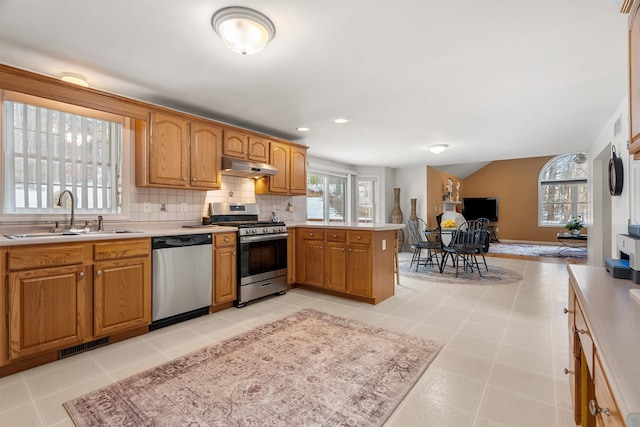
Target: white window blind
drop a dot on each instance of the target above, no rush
(51, 146)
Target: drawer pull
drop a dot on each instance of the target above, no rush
(311, 234)
(594, 409)
(335, 235)
(226, 240)
(359, 237)
(567, 372)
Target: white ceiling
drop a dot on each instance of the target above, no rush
(493, 79)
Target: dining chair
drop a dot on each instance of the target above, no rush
(484, 240)
(462, 246)
(421, 239)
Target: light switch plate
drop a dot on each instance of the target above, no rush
(147, 207)
(183, 207)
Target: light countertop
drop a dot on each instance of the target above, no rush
(347, 226)
(141, 229)
(613, 317)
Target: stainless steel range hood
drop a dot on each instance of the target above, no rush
(247, 169)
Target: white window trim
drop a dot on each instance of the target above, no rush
(339, 173)
(540, 201)
(126, 173)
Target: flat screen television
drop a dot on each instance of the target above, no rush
(480, 207)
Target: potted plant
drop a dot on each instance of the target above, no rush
(575, 225)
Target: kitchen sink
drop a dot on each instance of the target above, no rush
(69, 233)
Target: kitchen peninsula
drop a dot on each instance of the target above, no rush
(354, 261)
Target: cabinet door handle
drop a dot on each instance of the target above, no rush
(193, 179)
(81, 275)
(184, 179)
(580, 331)
(350, 249)
(234, 254)
(594, 409)
(99, 273)
(342, 249)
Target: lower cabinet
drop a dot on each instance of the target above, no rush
(224, 268)
(47, 310)
(353, 263)
(593, 401)
(63, 295)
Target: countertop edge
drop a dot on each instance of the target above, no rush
(603, 315)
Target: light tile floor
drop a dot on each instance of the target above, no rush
(502, 365)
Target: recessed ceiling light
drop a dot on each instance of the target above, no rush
(437, 148)
(303, 129)
(76, 79)
(340, 121)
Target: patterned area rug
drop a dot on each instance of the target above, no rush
(494, 275)
(537, 250)
(310, 369)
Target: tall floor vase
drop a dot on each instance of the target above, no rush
(413, 217)
(397, 218)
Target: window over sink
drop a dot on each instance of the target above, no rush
(50, 146)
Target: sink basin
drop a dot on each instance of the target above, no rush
(69, 233)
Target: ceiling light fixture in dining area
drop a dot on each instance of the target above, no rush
(243, 30)
(437, 148)
(76, 79)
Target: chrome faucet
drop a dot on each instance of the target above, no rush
(72, 221)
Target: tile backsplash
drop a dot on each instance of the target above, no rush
(192, 205)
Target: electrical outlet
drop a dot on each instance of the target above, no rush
(183, 207)
(146, 207)
(163, 207)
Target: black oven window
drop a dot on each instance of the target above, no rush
(263, 257)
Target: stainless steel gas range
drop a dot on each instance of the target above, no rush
(262, 250)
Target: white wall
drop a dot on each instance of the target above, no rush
(412, 182)
(610, 213)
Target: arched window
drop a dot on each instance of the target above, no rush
(563, 190)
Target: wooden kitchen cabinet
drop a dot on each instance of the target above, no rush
(291, 162)
(48, 291)
(634, 80)
(359, 263)
(243, 146)
(4, 328)
(205, 155)
(63, 295)
(122, 286)
(224, 268)
(291, 257)
(593, 401)
(350, 263)
(336, 260)
(173, 151)
(310, 256)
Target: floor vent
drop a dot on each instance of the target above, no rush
(82, 347)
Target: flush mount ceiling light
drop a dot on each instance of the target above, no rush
(437, 148)
(340, 121)
(303, 129)
(243, 30)
(76, 79)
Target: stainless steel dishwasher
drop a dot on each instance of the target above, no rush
(181, 267)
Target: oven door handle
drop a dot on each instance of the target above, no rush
(263, 238)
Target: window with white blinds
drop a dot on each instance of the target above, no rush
(51, 146)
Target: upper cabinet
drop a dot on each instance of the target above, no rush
(291, 162)
(172, 151)
(634, 79)
(242, 146)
